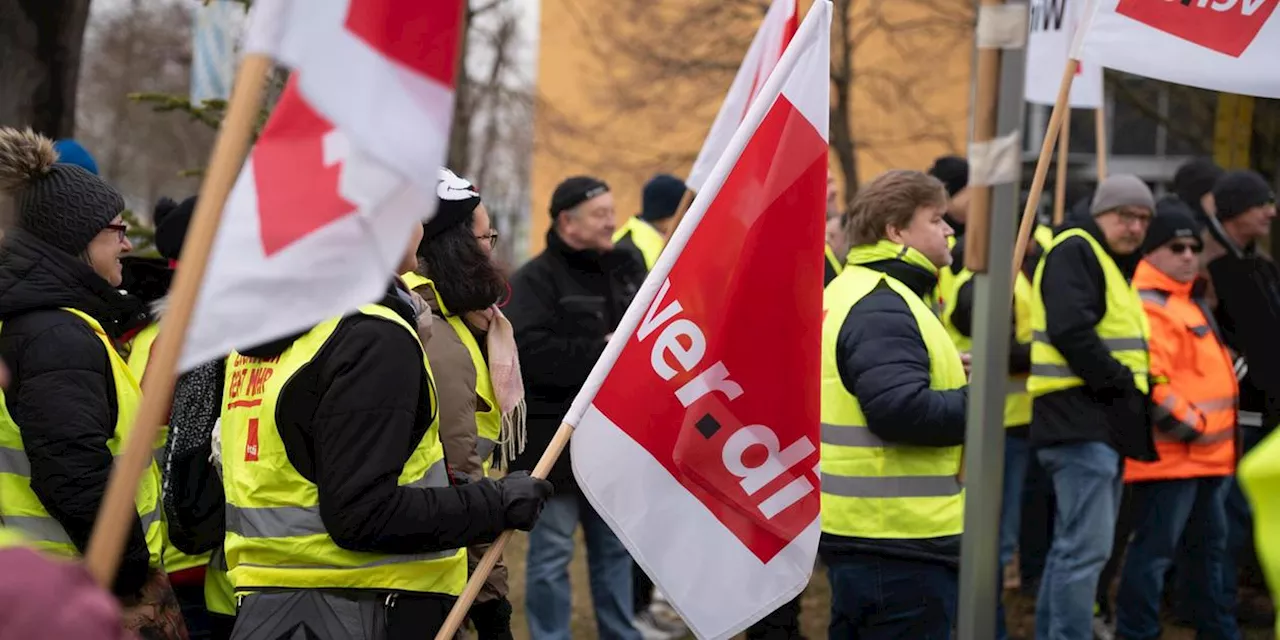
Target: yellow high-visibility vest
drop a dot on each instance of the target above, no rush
(1017, 401)
(872, 488)
(1123, 328)
(275, 536)
(1259, 475)
(489, 422)
(22, 510)
(645, 237)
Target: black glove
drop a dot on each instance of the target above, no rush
(492, 619)
(522, 499)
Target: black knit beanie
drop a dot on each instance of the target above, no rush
(457, 198)
(1239, 191)
(61, 204)
(953, 171)
(171, 220)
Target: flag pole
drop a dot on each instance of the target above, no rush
(489, 560)
(117, 511)
(685, 201)
(1100, 127)
(1060, 180)
(1042, 163)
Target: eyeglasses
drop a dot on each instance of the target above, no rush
(122, 230)
(1131, 216)
(1178, 248)
(492, 237)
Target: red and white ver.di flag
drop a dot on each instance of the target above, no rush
(346, 165)
(766, 48)
(1222, 45)
(697, 431)
(1053, 26)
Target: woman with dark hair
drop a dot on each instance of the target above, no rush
(472, 350)
(72, 398)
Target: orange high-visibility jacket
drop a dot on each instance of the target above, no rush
(1194, 386)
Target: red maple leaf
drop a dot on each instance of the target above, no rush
(422, 35)
(297, 192)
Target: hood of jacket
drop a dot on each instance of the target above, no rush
(36, 276)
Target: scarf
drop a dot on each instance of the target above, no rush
(504, 372)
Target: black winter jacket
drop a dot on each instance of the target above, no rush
(62, 395)
(1019, 353)
(563, 304)
(1109, 408)
(349, 420)
(1247, 285)
(882, 359)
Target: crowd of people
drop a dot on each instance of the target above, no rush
(347, 479)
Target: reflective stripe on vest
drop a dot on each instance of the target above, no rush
(645, 237)
(139, 355)
(872, 488)
(275, 536)
(21, 509)
(1123, 329)
(1017, 402)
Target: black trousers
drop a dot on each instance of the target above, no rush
(340, 615)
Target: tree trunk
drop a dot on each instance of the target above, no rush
(40, 43)
(459, 154)
(842, 142)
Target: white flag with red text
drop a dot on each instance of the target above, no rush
(697, 431)
(1053, 26)
(766, 48)
(346, 165)
(1221, 45)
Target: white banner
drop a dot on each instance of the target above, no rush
(1052, 27)
(1221, 45)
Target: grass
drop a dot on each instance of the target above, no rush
(815, 612)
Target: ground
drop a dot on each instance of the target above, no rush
(815, 609)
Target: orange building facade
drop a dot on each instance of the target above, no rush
(629, 88)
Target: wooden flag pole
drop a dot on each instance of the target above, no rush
(117, 512)
(1060, 180)
(490, 558)
(1060, 110)
(1100, 128)
(986, 97)
(685, 201)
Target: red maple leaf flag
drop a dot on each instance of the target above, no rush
(346, 165)
(697, 431)
(1222, 45)
(775, 32)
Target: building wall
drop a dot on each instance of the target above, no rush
(600, 114)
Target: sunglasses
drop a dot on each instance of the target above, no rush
(122, 230)
(1178, 248)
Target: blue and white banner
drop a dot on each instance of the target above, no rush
(213, 60)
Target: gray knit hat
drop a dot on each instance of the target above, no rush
(61, 204)
(1122, 191)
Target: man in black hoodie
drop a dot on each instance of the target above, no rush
(1089, 368)
(565, 305)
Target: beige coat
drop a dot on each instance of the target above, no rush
(455, 378)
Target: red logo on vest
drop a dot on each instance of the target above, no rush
(1225, 26)
(251, 442)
